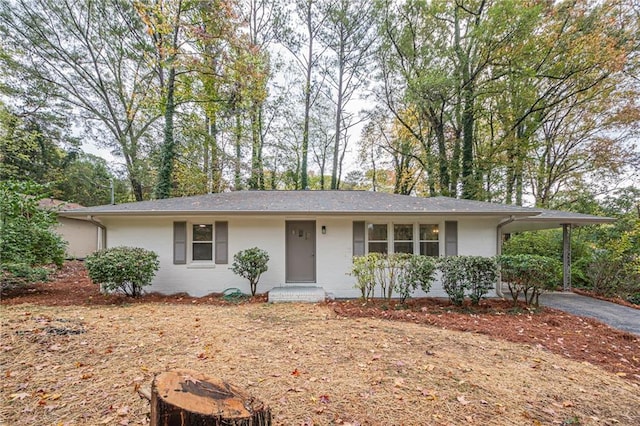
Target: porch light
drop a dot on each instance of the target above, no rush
(324, 229)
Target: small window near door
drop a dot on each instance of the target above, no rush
(429, 245)
(202, 242)
(403, 238)
(377, 234)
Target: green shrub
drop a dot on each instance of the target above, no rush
(398, 272)
(467, 275)
(548, 243)
(16, 275)
(250, 264)
(388, 272)
(364, 270)
(125, 269)
(418, 271)
(453, 278)
(530, 275)
(482, 273)
(26, 231)
(614, 269)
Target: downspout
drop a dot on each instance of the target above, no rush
(103, 231)
(499, 251)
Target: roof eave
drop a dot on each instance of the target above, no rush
(76, 214)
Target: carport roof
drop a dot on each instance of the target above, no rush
(549, 219)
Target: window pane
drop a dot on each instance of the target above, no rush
(202, 232)
(202, 251)
(403, 232)
(429, 249)
(377, 232)
(378, 248)
(403, 247)
(428, 232)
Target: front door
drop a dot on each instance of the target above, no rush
(301, 251)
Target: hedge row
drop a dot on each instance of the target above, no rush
(461, 276)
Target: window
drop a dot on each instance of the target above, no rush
(403, 238)
(377, 234)
(429, 245)
(202, 242)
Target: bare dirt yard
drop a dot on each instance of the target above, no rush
(70, 356)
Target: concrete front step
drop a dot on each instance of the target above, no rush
(297, 294)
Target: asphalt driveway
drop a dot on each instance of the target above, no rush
(617, 316)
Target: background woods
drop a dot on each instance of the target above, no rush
(498, 100)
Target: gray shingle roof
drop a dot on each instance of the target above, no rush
(305, 202)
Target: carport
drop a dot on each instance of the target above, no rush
(550, 219)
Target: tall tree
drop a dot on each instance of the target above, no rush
(163, 20)
(262, 18)
(304, 48)
(347, 32)
(31, 146)
(93, 54)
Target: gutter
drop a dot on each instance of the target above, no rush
(499, 250)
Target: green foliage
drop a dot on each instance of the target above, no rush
(398, 272)
(250, 264)
(419, 271)
(87, 181)
(482, 273)
(388, 272)
(548, 243)
(30, 146)
(614, 269)
(453, 278)
(27, 238)
(475, 274)
(16, 275)
(125, 269)
(363, 269)
(530, 275)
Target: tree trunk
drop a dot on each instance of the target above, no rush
(307, 102)
(167, 156)
(187, 397)
(237, 173)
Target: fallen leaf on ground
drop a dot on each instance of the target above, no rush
(19, 395)
(462, 400)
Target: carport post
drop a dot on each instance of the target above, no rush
(566, 257)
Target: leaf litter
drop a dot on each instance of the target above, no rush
(302, 360)
(70, 355)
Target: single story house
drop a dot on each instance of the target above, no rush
(311, 236)
(83, 236)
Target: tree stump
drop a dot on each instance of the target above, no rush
(187, 397)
